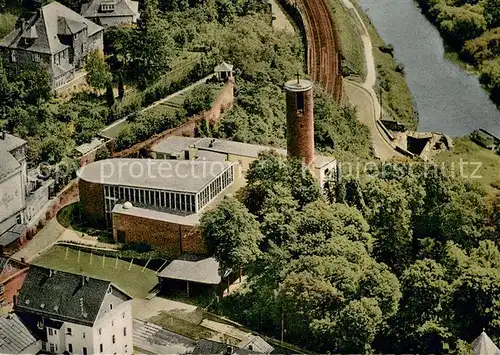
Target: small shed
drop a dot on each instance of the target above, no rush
(194, 276)
(224, 71)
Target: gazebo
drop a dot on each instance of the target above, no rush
(224, 71)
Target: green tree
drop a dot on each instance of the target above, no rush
(98, 74)
(110, 95)
(36, 85)
(199, 99)
(86, 128)
(492, 12)
(232, 234)
(151, 47)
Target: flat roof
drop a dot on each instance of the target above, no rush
(161, 174)
(87, 147)
(298, 85)
(236, 148)
(184, 219)
(205, 271)
(174, 144)
(177, 144)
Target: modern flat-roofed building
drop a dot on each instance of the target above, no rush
(152, 200)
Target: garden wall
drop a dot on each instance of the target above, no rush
(222, 103)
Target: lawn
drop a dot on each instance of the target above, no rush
(7, 22)
(135, 281)
(471, 154)
(114, 131)
(187, 324)
(350, 41)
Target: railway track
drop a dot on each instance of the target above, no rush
(323, 57)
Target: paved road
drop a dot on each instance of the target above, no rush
(364, 98)
(42, 241)
(359, 97)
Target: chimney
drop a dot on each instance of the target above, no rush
(81, 306)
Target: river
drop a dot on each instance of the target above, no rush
(449, 100)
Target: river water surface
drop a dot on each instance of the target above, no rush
(448, 99)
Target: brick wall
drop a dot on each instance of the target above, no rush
(13, 284)
(300, 126)
(173, 239)
(92, 201)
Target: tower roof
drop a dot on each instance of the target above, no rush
(483, 345)
(298, 85)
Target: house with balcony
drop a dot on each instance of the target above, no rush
(75, 314)
(56, 38)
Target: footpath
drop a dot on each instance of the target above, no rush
(363, 96)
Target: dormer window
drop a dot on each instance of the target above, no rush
(107, 7)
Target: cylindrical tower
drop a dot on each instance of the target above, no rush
(300, 119)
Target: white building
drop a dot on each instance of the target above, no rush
(76, 314)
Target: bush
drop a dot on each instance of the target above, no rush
(137, 247)
(199, 99)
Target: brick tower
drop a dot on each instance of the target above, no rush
(300, 119)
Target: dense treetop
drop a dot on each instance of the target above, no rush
(399, 260)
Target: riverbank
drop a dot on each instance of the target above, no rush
(472, 32)
(391, 87)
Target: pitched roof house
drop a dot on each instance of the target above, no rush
(75, 313)
(56, 38)
(111, 12)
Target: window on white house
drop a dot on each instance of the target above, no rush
(113, 339)
(125, 331)
(100, 347)
(68, 331)
(70, 348)
(123, 314)
(83, 335)
(110, 306)
(112, 323)
(100, 331)
(84, 351)
(51, 332)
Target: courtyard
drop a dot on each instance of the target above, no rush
(133, 279)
